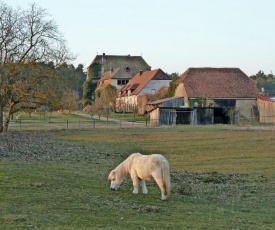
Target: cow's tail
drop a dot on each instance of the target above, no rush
(166, 177)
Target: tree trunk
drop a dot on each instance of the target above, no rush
(7, 120)
(1, 118)
(6, 125)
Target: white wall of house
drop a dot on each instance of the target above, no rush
(153, 86)
(126, 104)
(114, 83)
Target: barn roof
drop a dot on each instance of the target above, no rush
(218, 83)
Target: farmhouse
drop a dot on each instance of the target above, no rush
(115, 69)
(117, 77)
(134, 94)
(211, 95)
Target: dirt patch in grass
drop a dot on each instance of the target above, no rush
(42, 146)
(147, 208)
(218, 187)
(15, 218)
(209, 177)
(251, 128)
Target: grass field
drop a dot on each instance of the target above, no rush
(73, 117)
(78, 120)
(222, 178)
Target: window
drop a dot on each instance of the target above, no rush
(122, 82)
(127, 69)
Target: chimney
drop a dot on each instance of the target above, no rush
(140, 72)
(103, 57)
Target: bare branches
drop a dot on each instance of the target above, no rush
(31, 47)
(30, 36)
(9, 31)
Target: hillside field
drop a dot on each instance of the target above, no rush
(222, 177)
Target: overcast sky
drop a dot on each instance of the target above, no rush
(169, 34)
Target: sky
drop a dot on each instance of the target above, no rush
(169, 34)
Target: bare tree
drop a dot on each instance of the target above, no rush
(69, 100)
(31, 47)
(121, 105)
(108, 95)
(105, 101)
(133, 106)
(98, 107)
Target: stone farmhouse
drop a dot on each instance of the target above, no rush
(116, 70)
(209, 96)
(229, 87)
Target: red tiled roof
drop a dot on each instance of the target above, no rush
(138, 82)
(102, 84)
(131, 86)
(218, 83)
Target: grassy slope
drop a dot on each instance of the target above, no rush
(222, 179)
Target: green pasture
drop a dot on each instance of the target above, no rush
(77, 120)
(222, 177)
(73, 116)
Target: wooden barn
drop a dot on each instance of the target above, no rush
(218, 87)
(171, 111)
(266, 107)
(207, 96)
(213, 115)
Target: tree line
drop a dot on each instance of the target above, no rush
(265, 82)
